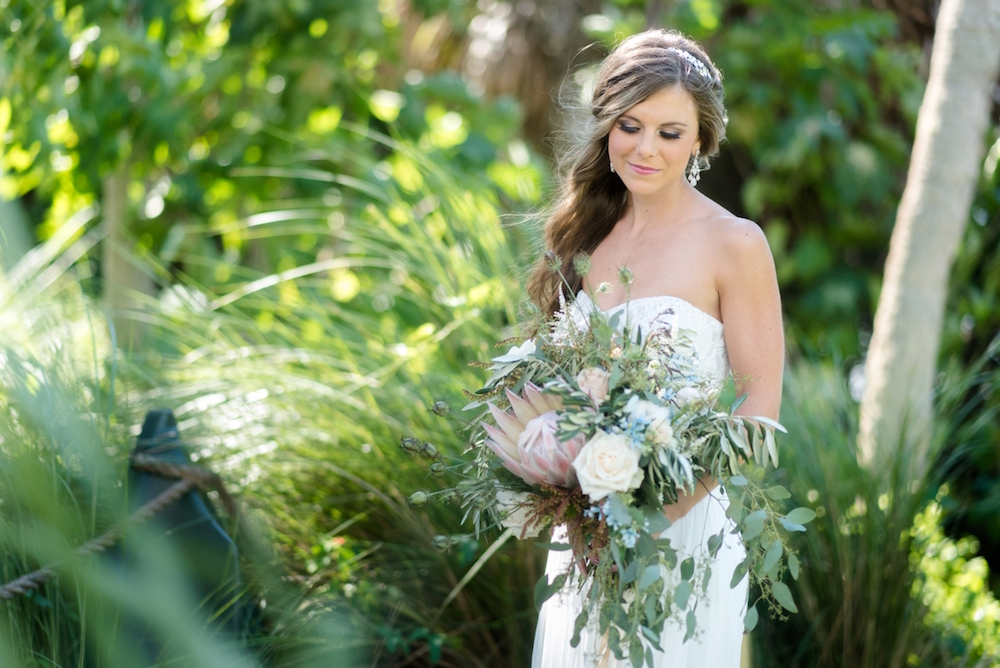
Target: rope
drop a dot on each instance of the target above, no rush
(188, 477)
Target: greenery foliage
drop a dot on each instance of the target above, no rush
(318, 193)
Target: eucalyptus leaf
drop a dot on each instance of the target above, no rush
(631, 573)
(773, 555)
(690, 623)
(739, 573)
(801, 516)
(790, 526)
(793, 566)
(649, 576)
(777, 492)
(715, 542)
(783, 595)
(687, 568)
(751, 619)
(683, 594)
(544, 590)
(555, 547)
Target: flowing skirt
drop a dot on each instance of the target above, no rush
(719, 613)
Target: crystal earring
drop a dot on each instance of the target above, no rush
(612, 167)
(694, 169)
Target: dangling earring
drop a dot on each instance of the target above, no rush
(612, 167)
(694, 169)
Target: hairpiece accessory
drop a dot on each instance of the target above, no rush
(612, 167)
(694, 169)
(698, 66)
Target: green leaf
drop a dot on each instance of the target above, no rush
(801, 516)
(783, 595)
(555, 547)
(773, 555)
(738, 480)
(752, 526)
(793, 566)
(619, 510)
(650, 610)
(687, 568)
(751, 619)
(658, 522)
(682, 594)
(631, 573)
(790, 526)
(690, 622)
(715, 542)
(649, 576)
(581, 621)
(739, 573)
(778, 493)
(646, 546)
(544, 590)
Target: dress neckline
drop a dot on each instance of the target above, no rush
(712, 318)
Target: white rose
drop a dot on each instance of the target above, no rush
(686, 396)
(514, 514)
(607, 464)
(594, 383)
(656, 417)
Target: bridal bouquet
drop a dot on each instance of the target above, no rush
(593, 426)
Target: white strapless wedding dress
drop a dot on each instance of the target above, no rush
(720, 612)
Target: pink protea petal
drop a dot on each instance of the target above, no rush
(559, 468)
(522, 409)
(501, 440)
(543, 403)
(507, 422)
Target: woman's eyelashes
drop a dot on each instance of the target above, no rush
(632, 129)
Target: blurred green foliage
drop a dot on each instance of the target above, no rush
(319, 193)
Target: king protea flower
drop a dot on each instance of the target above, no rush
(526, 441)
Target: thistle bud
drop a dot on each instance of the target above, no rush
(428, 451)
(438, 469)
(553, 260)
(625, 276)
(410, 445)
(418, 499)
(439, 408)
(582, 264)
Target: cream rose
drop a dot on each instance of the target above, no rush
(687, 395)
(514, 514)
(656, 417)
(594, 383)
(607, 464)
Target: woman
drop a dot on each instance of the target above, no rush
(629, 201)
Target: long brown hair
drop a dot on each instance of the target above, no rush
(592, 198)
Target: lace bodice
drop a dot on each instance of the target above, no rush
(673, 313)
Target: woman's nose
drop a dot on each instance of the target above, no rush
(646, 145)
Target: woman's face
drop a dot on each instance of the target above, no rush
(651, 143)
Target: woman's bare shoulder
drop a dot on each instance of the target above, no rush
(736, 237)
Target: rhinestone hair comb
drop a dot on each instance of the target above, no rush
(698, 66)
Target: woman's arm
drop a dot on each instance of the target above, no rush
(751, 312)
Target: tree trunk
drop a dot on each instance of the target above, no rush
(123, 279)
(944, 170)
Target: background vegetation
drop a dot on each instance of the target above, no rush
(324, 210)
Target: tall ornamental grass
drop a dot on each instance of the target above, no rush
(879, 586)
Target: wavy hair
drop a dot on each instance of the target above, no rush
(591, 198)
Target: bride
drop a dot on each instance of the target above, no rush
(629, 201)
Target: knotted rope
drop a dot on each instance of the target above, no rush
(188, 477)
